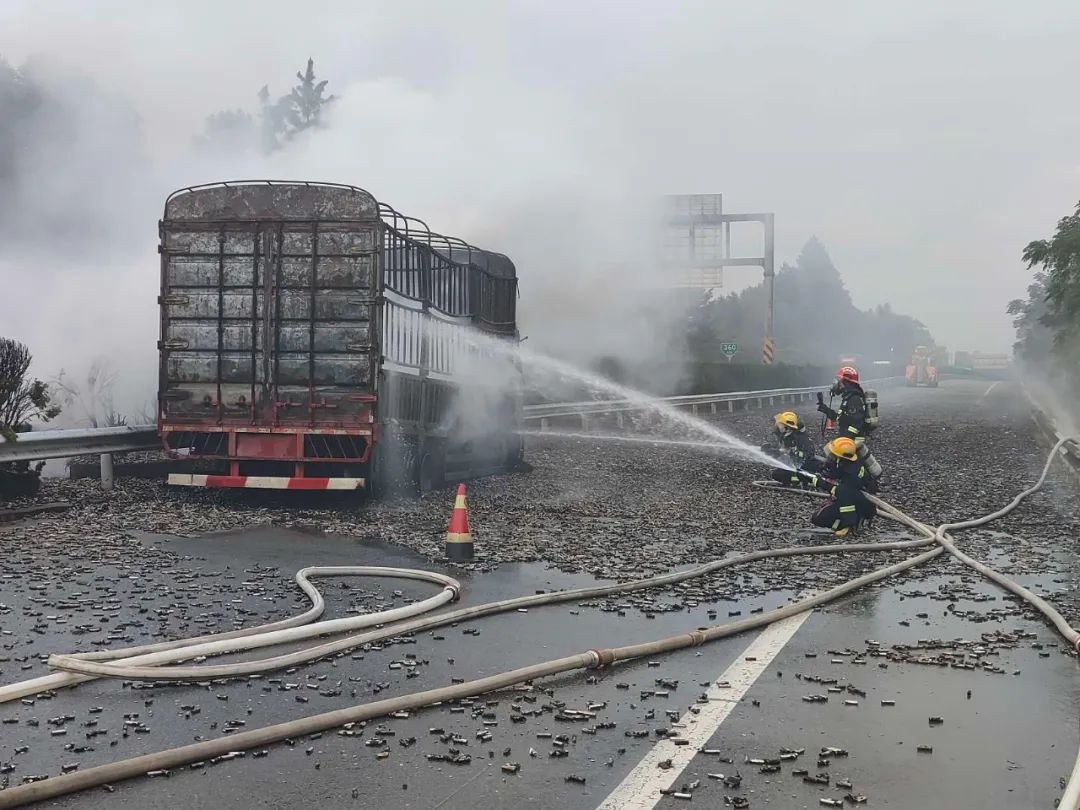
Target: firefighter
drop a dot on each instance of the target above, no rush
(845, 479)
(851, 418)
(793, 440)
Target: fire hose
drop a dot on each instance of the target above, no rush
(940, 535)
(91, 665)
(295, 628)
(201, 751)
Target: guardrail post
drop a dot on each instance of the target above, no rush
(731, 406)
(712, 407)
(619, 419)
(584, 422)
(106, 471)
(543, 424)
(693, 409)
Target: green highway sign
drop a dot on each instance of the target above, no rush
(729, 349)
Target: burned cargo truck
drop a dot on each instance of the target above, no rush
(315, 338)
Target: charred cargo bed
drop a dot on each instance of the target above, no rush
(313, 337)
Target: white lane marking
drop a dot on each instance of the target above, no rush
(640, 790)
(986, 393)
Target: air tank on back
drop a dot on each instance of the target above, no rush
(871, 409)
(872, 465)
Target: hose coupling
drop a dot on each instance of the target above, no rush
(697, 638)
(455, 590)
(603, 658)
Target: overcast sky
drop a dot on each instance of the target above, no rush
(923, 143)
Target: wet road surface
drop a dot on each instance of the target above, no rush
(907, 641)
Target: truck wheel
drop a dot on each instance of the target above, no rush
(515, 452)
(396, 468)
(430, 475)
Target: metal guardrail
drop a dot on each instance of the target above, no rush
(693, 402)
(46, 444)
(1045, 421)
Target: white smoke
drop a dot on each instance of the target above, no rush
(546, 131)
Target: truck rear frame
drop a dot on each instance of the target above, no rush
(304, 339)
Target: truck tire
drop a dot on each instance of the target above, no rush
(515, 452)
(396, 469)
(431, 471)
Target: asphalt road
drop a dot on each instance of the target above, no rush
(113, 571)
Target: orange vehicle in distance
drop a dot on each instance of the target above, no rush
(921, 370)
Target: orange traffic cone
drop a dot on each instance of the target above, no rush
(459, 544)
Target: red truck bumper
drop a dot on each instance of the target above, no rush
(264, 482)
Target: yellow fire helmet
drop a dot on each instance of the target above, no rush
(789, 420)
(843, 447)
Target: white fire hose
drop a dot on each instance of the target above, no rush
(295, 628)
(137, 662)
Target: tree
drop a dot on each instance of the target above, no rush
(819, 273)
(227, 131)
(1048, 322)
(1034, 338)
(93, 395)
(273, 119)
(18, 102)
(21, 398)
(282, 118)
(307, 100)
(1059, 258)
(816, 321)
(60, 133)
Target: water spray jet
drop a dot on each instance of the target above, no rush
(712, 447)
(553, 371)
